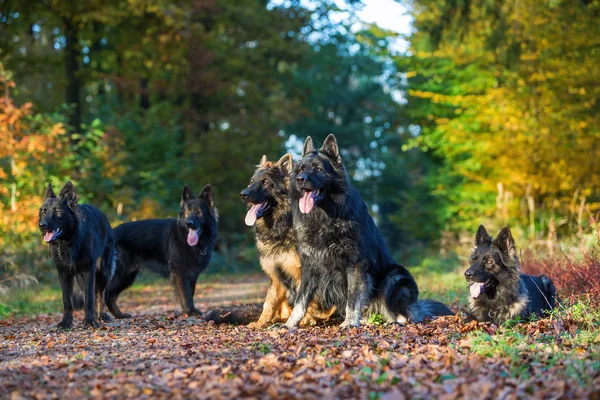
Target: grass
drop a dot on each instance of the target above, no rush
(441, 279)
(569, 338)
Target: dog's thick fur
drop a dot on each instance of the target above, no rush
(178, 248)
(502, 292)
(269, 211)
(345, 261)
(82, 247)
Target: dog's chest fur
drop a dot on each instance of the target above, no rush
(509, 303)
(328, 240)
(276, 244)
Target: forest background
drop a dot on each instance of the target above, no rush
(485, 112)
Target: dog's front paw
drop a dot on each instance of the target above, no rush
(277, 326)
(105, 317)
(90, 323)
(123, 316)
(65, 324)
(257, 325)
(349, 324)
(194, 312)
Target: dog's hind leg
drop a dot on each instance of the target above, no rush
(183, 291)
(116, 286)
(66, 284)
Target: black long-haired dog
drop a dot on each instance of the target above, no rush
(498, 290)
(267, 198)
(345, 261)
(176, 248)
(82, 247)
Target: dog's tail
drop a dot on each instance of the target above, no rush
(427, 309)
(400, 291)
(549, 291)
(237, 315)
(113, 264)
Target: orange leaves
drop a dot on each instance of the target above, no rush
(28, 142)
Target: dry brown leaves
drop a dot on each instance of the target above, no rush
(166, 355)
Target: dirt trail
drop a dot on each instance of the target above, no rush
(161, 354)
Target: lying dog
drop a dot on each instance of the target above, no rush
(498, 291)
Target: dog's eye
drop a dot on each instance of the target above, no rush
(264, 182)
(197, 211)
(489, 262)
(319, 169)
(57, 212)
(301, 169)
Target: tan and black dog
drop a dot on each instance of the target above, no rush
(498, 290)
(270, 213)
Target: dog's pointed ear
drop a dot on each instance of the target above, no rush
(309, 147)
(207, 195)
(186, 194)
(49, 192)
(505, 242)
(263, 162)
(285, 164)
(331, 149)
(481, 237)
(67, 194)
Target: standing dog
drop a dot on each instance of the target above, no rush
(177, 248)
(498, 291)
(269, 211)
(82, 247)
(345, 261)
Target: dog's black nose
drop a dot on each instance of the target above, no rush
(468, 274)
(43, 225)
(245, 194)
(189, 223)
(301, 178)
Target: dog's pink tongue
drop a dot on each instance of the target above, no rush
(307, 203)
(192, 238)
(475, 289)
(48, 236)
(251, 214)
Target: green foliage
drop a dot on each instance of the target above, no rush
(576, 346)
(502, 98)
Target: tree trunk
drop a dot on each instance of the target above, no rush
(72, 72)
(144, 94)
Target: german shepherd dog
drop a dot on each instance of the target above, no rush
(270, 213)
(498, 291)
(82, 246)
(176, 248)
(345, 261)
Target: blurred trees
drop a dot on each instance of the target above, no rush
(506, 94)
(153, 94)
(491, 115)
